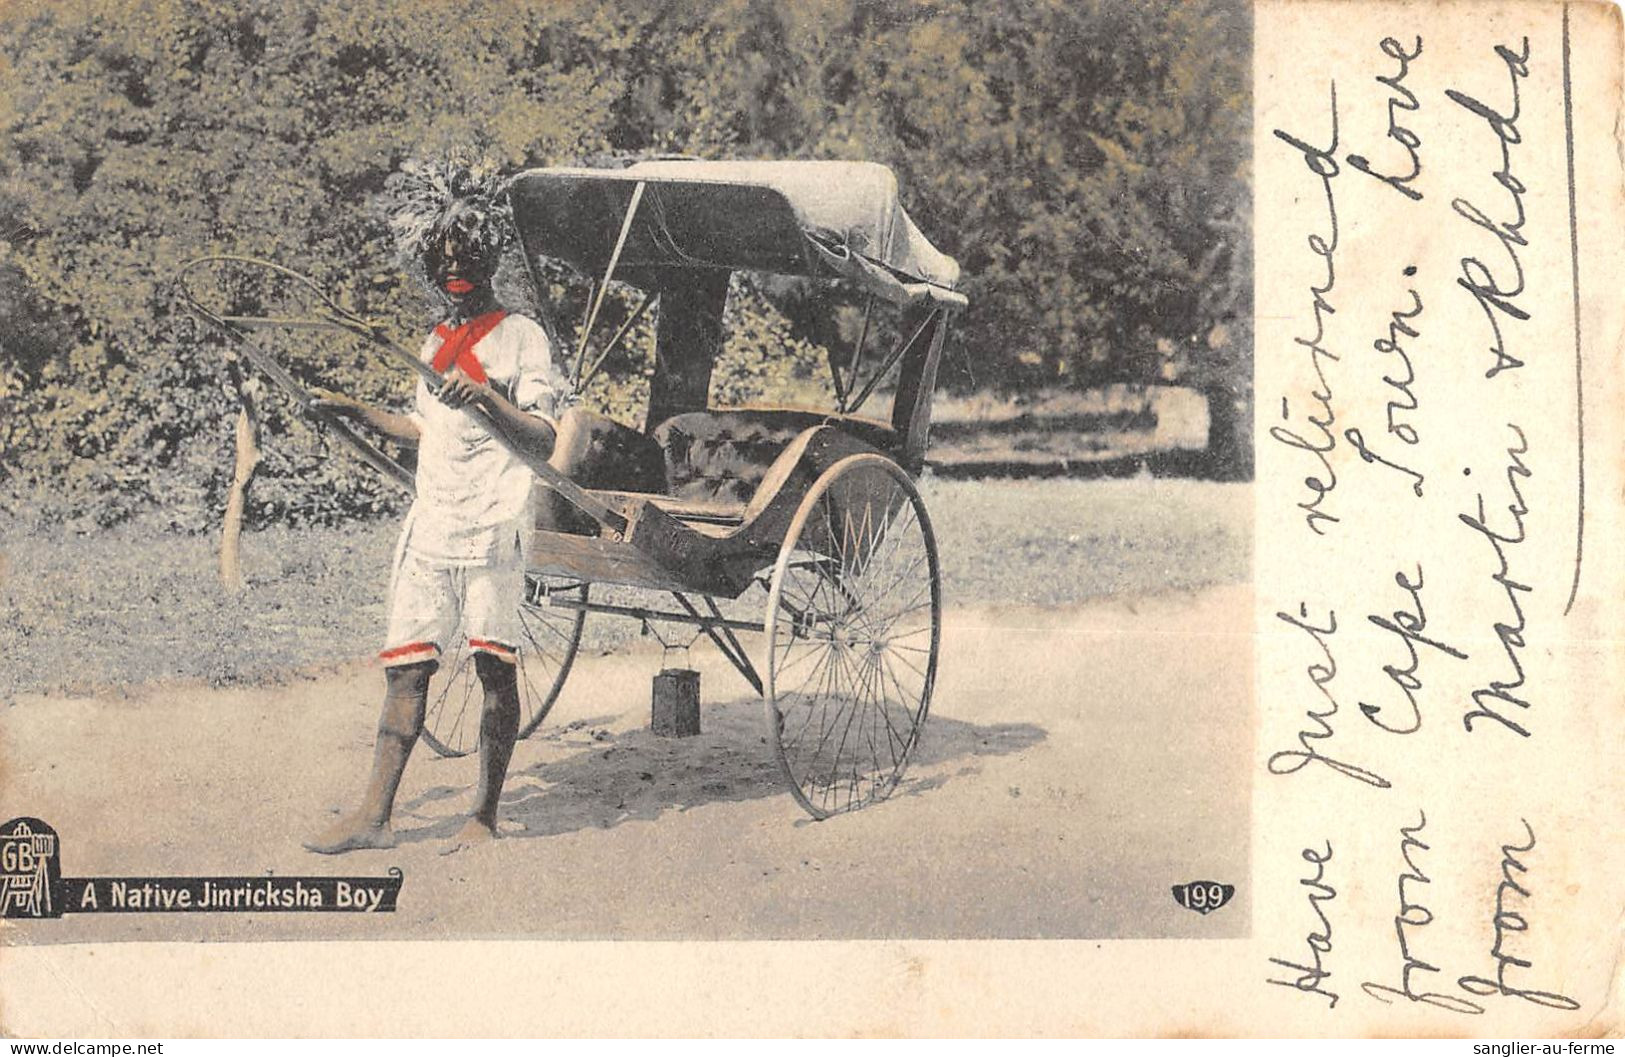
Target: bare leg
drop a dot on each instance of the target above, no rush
(499, 729)
(405, 700)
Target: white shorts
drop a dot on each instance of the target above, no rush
(431, 602)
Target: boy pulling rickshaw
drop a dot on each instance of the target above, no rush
(815, 510)
(459, 566)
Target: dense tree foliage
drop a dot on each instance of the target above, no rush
(1084, 159)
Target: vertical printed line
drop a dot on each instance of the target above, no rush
(1579, 367)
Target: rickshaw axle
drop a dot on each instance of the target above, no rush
(699, 620)
(718, 628)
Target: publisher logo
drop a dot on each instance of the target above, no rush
(30, 870)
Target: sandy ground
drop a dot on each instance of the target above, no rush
(1077, 764)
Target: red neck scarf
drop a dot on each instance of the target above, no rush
(457, 344)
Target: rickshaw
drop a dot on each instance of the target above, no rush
(816, 509)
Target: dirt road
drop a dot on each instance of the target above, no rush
(1077, 764)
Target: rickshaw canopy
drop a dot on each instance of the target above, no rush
(822, 219)
(819, 508)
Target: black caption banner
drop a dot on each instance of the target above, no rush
(145, 895)
(32, 886)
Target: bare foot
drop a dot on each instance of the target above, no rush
(352, 833)
(474, 834)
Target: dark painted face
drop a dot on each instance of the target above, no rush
(461, 269)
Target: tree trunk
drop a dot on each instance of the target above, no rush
(247, 462)
(1229, 455)
(687, 342)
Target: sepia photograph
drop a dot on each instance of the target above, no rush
(739, 470)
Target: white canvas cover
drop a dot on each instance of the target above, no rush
(819, 218)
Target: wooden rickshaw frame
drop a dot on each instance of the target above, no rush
(663, 543)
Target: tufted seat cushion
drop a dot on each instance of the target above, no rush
(722, 456)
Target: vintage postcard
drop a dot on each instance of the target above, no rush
(587, 519)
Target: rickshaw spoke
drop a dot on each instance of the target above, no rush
(805, 723)
(893, 531)
(833, 691)
(874, 702)
(885, 713)
(919, 599)
(836, 695)
(866, 545)
(462, 709)
(811, 651)
(896, 581)
(864, 541)
(895, 536)
(812, 674)
(808, 601)
(548, 624)
(909, 701)
(843, 585)
(880, 724)
(526, 622)
(802, 608)
(848, 555)
(847, 601)
(824, 594)
(894, 740)
(807, 643)
(824, 673)
(890, 620)
(846, 730)
(543, 665)
(527, 680)
(810, 577)
(445, 711)
(533, 615)
(895, 575)
(915, 718)
(850, 713)
(872, 618)
(825, 582)
(871, 700)
(529, 696)
(840, 698)
(850, 559)
(910, 665)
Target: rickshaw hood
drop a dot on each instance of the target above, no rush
(825, 219)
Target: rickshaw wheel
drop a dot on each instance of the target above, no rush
(549, 639)
(854, 621)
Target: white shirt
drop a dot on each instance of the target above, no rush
(473, 492)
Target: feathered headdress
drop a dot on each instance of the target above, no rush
(454, 195)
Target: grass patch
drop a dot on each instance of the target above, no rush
(127, 606)
(86, 613)
(1058, 542)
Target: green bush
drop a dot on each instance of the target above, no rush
(1086, 160)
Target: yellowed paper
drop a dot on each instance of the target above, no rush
(1437, 516)
(1398, 745)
